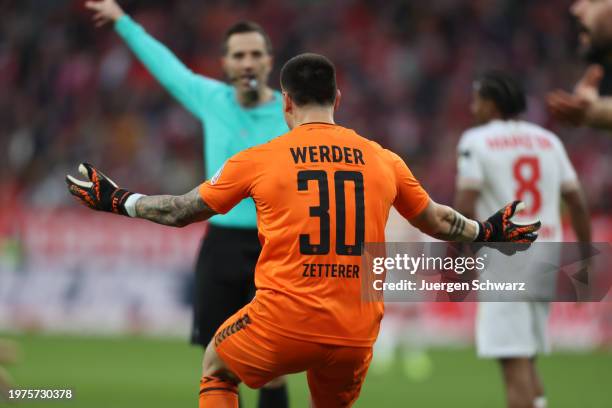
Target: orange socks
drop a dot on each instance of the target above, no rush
(218, 393)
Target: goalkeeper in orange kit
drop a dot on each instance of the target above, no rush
(321, 191)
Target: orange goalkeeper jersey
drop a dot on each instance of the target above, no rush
(320, 191)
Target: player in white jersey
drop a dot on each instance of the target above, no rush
(500, 152)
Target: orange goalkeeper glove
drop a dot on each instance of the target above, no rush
(99, 193)
(500, 228)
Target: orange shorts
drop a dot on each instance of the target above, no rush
(257, 356)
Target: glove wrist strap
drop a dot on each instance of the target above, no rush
(130, 204)
(480, 237)
(118, 200)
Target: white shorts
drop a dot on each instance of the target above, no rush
(511, 329)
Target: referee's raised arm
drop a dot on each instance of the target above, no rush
(190, 89)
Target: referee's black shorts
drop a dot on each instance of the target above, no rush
(224, 279)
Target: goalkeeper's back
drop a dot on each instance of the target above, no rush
(320, 191)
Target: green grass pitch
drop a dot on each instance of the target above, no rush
(143, 372)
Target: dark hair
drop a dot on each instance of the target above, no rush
(507, 94)
(246, 27)
(309, 79)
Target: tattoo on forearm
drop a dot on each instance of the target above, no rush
(171, 210)
(457, 225)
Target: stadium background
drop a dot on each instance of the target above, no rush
(72, 93)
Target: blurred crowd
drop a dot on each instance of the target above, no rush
(72, 93)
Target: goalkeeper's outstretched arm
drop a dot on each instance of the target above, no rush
(175, 211)
(102, 194)
(443, 222)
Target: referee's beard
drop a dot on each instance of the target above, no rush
(249, 96)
